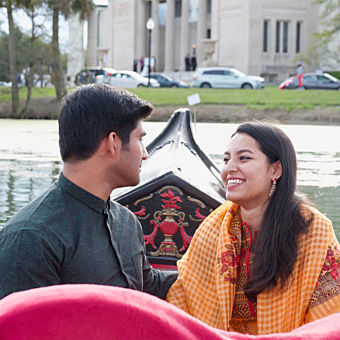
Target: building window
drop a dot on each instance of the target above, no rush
(298, 36)
(178, 8)
(265, 35)
(277, 38)
(282, 37)
(149, 9)
(208, 33)
(285, 37)
(209, 7)
(161, 13)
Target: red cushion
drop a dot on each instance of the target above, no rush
(84, 312)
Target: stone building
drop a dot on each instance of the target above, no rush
(259, 37)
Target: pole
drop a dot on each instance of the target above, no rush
(149, 64)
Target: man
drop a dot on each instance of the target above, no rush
(187, 62)
(193, 62)
(73, 233)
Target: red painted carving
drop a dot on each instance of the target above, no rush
(199, 215)
(150, 239)
(140, 212)
(169, 220)
(172, 200)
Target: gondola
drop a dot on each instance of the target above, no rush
(180, 185)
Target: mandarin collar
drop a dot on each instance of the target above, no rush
(92, 201)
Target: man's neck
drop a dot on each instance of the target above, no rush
(88, 177)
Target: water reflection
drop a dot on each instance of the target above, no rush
(30, 161)
(21, 181)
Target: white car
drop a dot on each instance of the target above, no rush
(94, 74)
(5, 83)
(131, 79)
(225, 77)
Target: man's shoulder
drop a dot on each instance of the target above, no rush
(119, 210)
(34, 214)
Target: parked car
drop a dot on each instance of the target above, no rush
(225, 77)
(131, 79)
(45, 81)
(313, 81)
(5, 83)
(166, 81)
(90, 75)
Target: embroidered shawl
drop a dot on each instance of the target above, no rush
(205, 287)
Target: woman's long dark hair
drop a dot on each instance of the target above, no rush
(276, 245)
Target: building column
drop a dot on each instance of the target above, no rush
(169, 35)
(155, 33)
(75, 57)
(201, 29)
(91, 51)
(184, 47)
(141, 29)
(215, 27)
(110, 42)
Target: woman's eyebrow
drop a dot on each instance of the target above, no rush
(239, 151)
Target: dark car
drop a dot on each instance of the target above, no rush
(166, 81)
(313, 81)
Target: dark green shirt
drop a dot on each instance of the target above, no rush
(69, 236)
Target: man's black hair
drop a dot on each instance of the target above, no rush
(91, 112)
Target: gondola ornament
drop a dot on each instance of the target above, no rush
(180, 185)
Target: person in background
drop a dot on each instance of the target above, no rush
(73, 233)
(265, 261)
(299, 72)
(187, 62)
(141, 63)
(135, 64)
(153, 64)
(193, 62)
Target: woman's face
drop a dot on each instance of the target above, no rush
(247, 174)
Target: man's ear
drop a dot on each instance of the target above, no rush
(277, 169)
(114, 143)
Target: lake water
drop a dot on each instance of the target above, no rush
(30, 161)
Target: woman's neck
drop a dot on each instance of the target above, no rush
(253, 216)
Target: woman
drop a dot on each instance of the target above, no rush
(264, 261)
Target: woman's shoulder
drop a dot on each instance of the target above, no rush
(214, 220)
(221, 211)
(318, 217)
(320, 226)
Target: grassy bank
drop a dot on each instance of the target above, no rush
(270, 98)
(37, 92)
(220, 105)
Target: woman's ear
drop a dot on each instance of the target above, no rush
(277, 169)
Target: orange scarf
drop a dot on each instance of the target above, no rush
(205, 287)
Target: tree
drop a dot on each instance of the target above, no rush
(330, 25)
(9, 5)
(330, 16)
(63, 7)
(29, 74)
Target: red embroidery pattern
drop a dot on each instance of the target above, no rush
(332, 263)
(229, 260)
(328, 284)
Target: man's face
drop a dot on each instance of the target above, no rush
(131, 156)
